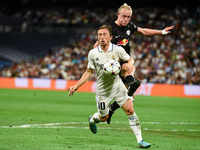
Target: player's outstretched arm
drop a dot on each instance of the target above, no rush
(88, 73)
(146, 31)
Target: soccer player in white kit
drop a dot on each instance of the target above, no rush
(109, 87)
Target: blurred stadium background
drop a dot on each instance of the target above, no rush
(51, 38)
(44, 45)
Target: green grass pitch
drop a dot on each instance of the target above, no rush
(48, 120)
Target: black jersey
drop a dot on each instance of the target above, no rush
(121, 35)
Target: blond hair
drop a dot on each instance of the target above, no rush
(124, 6)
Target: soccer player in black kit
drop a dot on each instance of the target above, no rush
(122, 30)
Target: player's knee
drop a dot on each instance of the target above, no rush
(128, 107)
(126, 68)
(129, 111)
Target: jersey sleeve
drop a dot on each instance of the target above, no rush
(90, 61)
(133, 27)
(123, 55)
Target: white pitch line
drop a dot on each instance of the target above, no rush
(71, 127)
(65, 123)
(56, 125)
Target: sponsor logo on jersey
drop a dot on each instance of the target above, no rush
(128, 32)
(122, 42)
(100, 65)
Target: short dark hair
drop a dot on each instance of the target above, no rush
(109, 27)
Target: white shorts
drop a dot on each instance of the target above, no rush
(103, 101)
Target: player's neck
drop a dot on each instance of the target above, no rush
(117, 22)
(105, 47)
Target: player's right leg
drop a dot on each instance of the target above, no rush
(92, 123)
(133, 86)
(131, 83)
(103, 102)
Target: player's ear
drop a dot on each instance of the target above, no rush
(111, 37)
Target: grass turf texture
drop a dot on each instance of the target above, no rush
(167, 123)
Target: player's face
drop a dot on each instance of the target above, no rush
(124, 17)
(104, 37)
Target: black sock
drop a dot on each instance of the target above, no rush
(128, 80)
(114, 106)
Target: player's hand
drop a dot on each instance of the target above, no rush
(169, 28)
(72, 89)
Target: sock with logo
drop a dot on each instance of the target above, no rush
(135, 126)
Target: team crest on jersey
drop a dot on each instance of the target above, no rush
(128, 32)
(113, 57)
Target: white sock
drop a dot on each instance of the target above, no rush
(95, 119)
(135, 126)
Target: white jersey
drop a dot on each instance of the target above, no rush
(96, 58)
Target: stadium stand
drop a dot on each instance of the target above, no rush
(171, 59)
(15, 55)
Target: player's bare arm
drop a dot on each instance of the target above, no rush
(146, 31)
(85, 77)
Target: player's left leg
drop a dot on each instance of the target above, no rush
(134, 123)
(114, 106)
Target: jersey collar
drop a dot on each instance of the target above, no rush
(110, 48)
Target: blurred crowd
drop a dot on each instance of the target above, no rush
(29, 18)
(171, 59)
